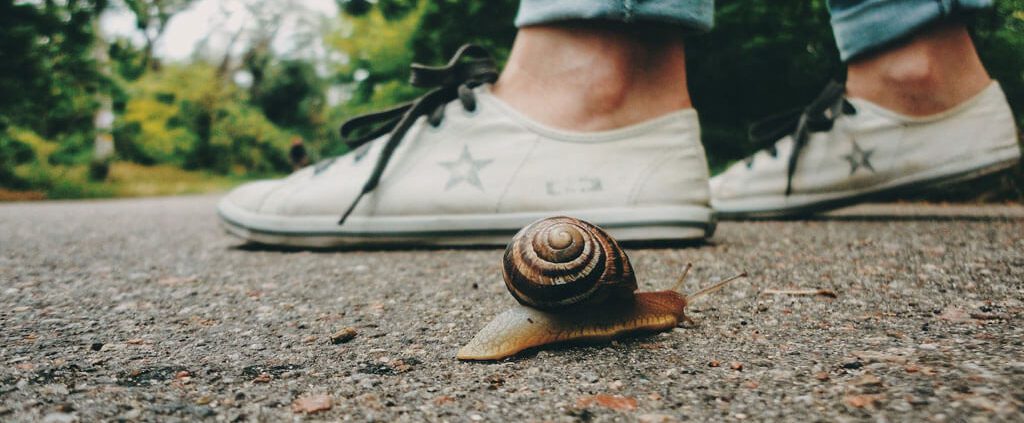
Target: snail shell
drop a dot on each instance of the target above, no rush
(561, 262)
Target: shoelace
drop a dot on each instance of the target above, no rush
(470, 67)
(818, 116)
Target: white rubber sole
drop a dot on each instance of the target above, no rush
(626, 224)
(804, 204)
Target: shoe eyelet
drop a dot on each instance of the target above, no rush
(435, 128)
(471, 113)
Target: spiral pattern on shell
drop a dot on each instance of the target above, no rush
(561, 261)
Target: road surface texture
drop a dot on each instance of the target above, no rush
(146, 310)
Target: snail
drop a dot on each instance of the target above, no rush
(574, 283)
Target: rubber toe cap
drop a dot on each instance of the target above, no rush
(250, 196)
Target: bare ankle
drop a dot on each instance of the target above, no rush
(933, 72)
(586, 77)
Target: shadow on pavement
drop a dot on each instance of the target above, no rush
(913, 218)
(253, 247)
(887, 218)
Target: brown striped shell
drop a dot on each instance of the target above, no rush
(560, 262)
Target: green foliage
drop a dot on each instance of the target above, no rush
(187, 116)
(291, 95)
(243, 141)
(378, 54)
(128, 62)
(180, 117)
(47, 72)
(448, 24)
(12, 154)
(1000, 40)
(151, 18)
(761, 58)
(377, 67)
(36, 170)
(152, 128)
(48, 79)
(355, 7)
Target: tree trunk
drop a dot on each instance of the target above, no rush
(103, 120)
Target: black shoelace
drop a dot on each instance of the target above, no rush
(819, 116)
(470, 67)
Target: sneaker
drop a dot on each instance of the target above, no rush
(841, 151)
(458, 166)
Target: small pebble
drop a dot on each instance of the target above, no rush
(655, 418)
(310, 404)
(343, 336)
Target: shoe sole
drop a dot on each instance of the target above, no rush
(627, 224)
(808, 204)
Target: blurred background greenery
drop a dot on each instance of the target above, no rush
(230, 109)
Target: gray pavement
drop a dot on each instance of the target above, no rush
(145, 310)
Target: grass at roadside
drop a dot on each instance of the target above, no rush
(125, 180)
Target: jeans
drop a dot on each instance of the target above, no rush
(860, 26)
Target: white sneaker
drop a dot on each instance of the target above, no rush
(482, 175)
(864, 151)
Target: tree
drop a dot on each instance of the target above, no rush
(291, 95)
(151, 18)
(48, 73)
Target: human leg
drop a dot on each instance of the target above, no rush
(918, 108)
(599, 64)
(589, 76)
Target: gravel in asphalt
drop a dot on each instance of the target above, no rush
(145, 310)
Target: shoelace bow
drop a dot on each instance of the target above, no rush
(470, 67)
(818, 116)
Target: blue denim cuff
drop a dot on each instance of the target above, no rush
(862, 26)
(697, 15)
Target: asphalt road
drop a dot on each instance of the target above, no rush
(146, 310)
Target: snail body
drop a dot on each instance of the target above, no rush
(574, 284)
(522, 327)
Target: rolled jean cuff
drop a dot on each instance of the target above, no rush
(696, 15)
(864, 26)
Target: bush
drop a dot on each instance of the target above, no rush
(188, 116)
(12, 154)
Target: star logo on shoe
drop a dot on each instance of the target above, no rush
(465, 169)
(859, 158)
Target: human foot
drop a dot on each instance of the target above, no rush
(844, 150)
(473, 170)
